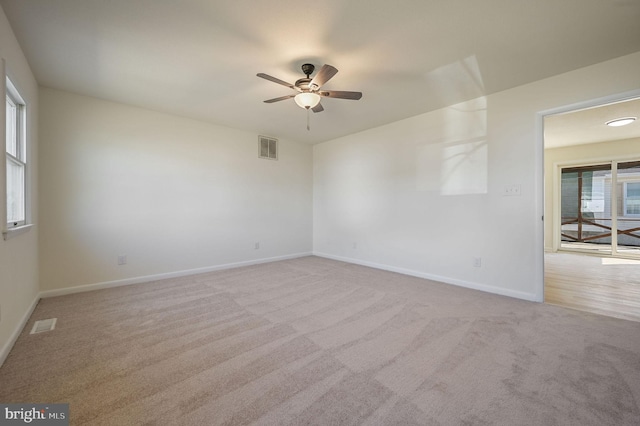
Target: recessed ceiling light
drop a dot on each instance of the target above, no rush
(621, 121)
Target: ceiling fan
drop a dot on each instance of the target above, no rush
(309, 93)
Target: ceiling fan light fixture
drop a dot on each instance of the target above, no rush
(621, 121)
(307, 100)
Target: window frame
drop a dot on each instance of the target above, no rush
(12, 95)
(616, 197)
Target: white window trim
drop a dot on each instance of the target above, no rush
(10, 232)
(7, 234)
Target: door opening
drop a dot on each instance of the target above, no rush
(592, 209)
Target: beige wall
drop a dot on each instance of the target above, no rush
(614, 150)
(170, 193)
(19, 255)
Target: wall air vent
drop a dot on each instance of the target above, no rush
(44, 325)
(267, 148)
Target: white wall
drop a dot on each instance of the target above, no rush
(613, 150)
(19, 255)
(424, 195)
(170, 193)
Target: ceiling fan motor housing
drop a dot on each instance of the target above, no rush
(303, 83)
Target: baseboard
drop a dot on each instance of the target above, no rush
(447, 280)
(4, 353)
(155, 277)
(142, 279)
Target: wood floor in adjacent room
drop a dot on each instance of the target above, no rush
(602, 285)
(312, 341)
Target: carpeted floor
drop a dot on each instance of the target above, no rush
(312, 341)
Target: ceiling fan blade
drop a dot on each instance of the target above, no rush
(317, 108)
(276, 80)
(324, 75)
(281, 98)
(341, 94)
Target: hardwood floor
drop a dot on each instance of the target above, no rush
(601, 285)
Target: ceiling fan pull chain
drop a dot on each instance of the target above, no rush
(308, 119)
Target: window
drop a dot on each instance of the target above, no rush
(600, 208)
(631, 199)
(585, 204)
(16, 158)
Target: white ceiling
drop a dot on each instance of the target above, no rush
(589, 125)
(199, 58)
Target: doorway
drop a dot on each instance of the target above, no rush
(592, 209)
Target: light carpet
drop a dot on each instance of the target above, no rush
(312, 341)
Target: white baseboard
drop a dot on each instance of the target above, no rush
(155, 277)
(460, 283)
(4, 353)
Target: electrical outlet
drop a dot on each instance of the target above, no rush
(511, 190)
(122, 259)
(355, 246)
(477, 262)
(256, 246)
